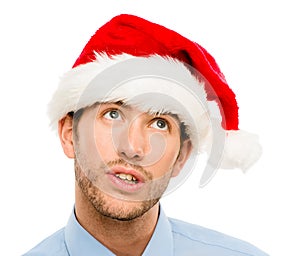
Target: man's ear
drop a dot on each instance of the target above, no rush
(65, 132)
(184, 154)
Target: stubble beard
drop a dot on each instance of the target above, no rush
(115, 208)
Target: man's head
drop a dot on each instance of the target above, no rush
(135, 85)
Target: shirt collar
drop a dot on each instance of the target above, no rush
(79, 242)
(161, 242)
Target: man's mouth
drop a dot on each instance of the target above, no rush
(128, 174)
(128, 178)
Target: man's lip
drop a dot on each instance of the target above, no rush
(120, 169)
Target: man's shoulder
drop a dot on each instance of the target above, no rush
(195, 237)
(52, 245)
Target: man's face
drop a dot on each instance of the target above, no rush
(124, 158)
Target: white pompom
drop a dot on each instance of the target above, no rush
(242, 150)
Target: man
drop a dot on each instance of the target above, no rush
(137, 107)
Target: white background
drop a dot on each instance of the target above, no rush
(256, 44)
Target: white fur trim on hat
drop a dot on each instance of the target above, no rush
(82, 87)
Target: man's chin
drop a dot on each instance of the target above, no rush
(112, 204)
(122, 210)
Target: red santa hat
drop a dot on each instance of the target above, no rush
(131, 38)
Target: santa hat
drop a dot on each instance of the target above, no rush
(147, 48)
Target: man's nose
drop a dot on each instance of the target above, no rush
(131, 141)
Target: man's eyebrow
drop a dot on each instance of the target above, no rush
(165, 113)
(119, 103)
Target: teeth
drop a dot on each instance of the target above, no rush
(124, 176)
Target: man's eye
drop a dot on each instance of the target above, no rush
(113, 115)
(160, 124)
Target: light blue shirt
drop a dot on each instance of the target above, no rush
(170, 238)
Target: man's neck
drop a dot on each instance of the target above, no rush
(124, 238)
